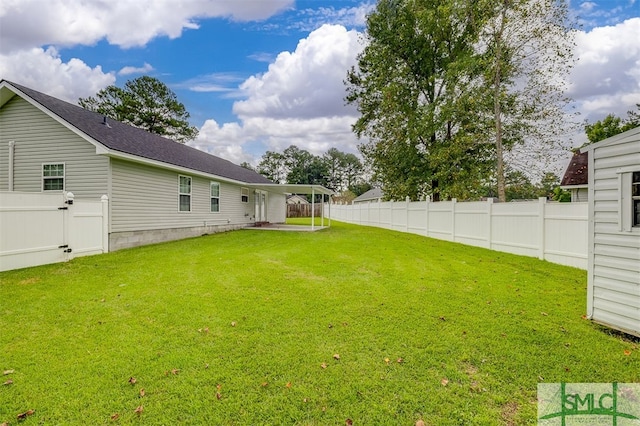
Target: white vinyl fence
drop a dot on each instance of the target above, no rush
(42, 228)
(557, 232)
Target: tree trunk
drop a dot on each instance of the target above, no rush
(497, 111)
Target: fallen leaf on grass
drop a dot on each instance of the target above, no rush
(444, 381)
(7, 372)
(387, 360)
(139, 410)
(132, 380)
(627, 352)
(323, 365)
(115, 416)
(584, 317)
(8, 382)
(175, 371)
(348, 422)
(420, 423)
(400, 360)
(336, 357)
(288, 385)
(544, 314)
(26, 414)
(233, 323)
(219, 386)
(4, 424)
(142, 392)
(264, 384)
(218, 395)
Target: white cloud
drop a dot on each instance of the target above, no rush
(225, 141)
(350, 17)
(606, 78)
(136, 70)
(43, 70)
(298, 101)
(214, 82)
(307, 83)
(28, 23)
(587, 6)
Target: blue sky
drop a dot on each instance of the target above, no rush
(261, 75)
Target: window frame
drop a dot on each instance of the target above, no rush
(51, 178)
(185, 194)
(635, 199)
(242, 194)
(212, 197)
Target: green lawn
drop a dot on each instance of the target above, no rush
(255, 327)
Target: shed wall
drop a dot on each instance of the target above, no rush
(615, 252)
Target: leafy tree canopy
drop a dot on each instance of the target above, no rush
(147, 103)
(611, 126)
(334, 169)
(447, 88)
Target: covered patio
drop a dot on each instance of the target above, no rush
(305, 189)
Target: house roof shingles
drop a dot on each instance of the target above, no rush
(372, 194)
(577, 172)
(131, 140)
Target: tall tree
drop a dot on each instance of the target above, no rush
(304, 167)
(527, 48)
(144, 102)
(272, 165)
(343, 169)
(411, 86)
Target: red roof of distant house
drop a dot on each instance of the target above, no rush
(577, 172)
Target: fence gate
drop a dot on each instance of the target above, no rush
(37, 229)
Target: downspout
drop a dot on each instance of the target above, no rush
(12, 149)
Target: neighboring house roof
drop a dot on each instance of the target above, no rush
(577, 173)
(117, 136)
(296, 199)
(372, 194)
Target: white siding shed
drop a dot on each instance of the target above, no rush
(613, 291)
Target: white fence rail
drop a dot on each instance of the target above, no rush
(557, 232)
(38, 228)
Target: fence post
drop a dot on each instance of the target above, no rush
(406, 206)
(490, 222)
(454, 201)
(67, 223)
(542, 201)
(426, 209)
(105, 223)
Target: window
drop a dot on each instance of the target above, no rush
(215, 197)
(184, 191)
(635, 197)
(245, 195)
(53, 177)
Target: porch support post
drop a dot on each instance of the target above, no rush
(313, 208)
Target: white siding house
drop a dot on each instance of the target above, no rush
(158, 189)
(613, 292)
